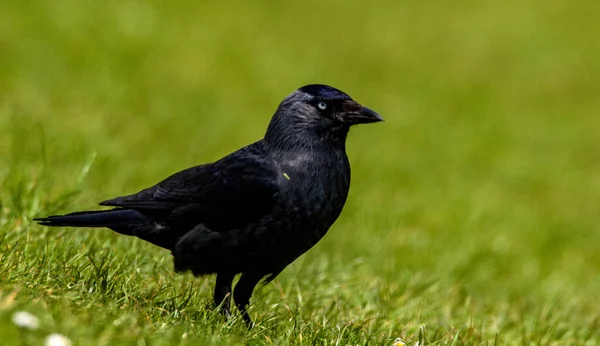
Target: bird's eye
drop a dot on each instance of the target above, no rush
(322, 106)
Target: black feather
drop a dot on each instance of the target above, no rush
(325, 92)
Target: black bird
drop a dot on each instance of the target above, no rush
(254, 211)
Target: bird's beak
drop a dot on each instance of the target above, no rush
(354, 113)
(366, 116)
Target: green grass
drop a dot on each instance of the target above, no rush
(474, 213)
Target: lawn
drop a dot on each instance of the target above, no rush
(474, 211)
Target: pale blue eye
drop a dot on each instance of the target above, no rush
(322, 106)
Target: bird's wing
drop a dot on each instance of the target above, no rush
(229, 193)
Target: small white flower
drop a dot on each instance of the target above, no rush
(399, 342)
(57, 340)
(24, 319)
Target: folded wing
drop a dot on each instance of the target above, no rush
(230, 193)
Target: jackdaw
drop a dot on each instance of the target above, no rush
(254, 211)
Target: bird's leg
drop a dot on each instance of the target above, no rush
(222, 294)
(243, 291)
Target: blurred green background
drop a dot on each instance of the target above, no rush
(473, 216)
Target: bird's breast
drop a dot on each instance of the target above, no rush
(314, 189)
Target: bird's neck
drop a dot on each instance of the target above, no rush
(289, 135)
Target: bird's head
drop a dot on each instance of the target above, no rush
(329, 105)
(320, 110)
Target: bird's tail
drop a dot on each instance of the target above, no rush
(115, 218)
(123, 221)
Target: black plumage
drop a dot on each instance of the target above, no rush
(254, 211)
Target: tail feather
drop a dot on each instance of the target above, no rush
(97, 218)
(123, 221)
